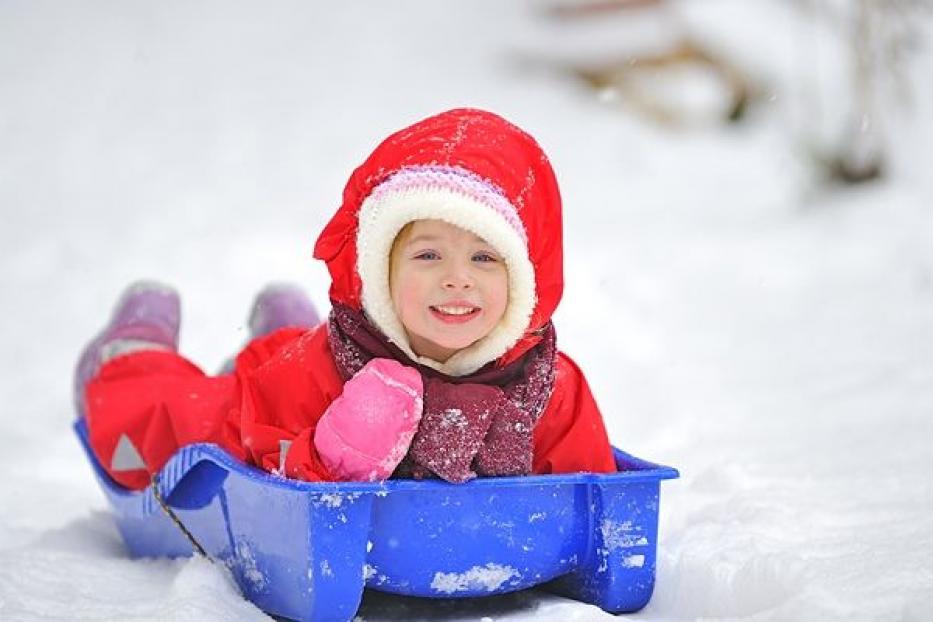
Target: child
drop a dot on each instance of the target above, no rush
(438, 358)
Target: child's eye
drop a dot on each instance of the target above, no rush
(428, 255)
(484, 257)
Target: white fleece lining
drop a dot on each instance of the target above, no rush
(381, 219)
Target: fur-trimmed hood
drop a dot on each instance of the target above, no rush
(508, 164)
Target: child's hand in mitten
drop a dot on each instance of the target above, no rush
(366, 431)
(456, 419)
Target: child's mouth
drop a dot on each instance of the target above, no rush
(454, 315)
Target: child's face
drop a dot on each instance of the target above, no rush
(449, 287)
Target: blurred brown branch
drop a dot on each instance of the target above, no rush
(620, 76)
(631, 76)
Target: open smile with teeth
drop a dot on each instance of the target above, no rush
(456, 310)
(455, 314)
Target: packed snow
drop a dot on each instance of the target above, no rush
(489, 577)
(769, 335)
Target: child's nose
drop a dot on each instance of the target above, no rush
(458, 279)
(455, 283)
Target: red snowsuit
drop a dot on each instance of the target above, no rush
(283, 382)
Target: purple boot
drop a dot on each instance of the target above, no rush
(147, 317)
(275, 307)
(278, 306)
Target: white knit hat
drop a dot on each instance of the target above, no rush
(459, 197)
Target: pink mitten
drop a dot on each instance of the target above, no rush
(366, 431)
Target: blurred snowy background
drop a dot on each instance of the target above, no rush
(749, 228)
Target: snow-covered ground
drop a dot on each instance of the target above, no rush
(771, 339)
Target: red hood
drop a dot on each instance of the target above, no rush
(487, 145)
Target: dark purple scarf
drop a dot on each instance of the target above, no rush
(479, 424)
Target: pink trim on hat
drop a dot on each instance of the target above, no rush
(454, 179)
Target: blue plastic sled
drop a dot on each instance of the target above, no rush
(306, 550)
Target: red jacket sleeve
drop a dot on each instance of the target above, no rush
(283, 396)
(570, 436)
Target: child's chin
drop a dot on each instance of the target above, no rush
(456, 344)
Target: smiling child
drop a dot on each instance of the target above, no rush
(438, 358)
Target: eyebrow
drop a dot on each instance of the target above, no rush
(424, 237)
(421, 238)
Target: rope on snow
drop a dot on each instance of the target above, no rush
(168, 511)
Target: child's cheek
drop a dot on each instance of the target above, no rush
(500, 305)
(498, 298)
(409, 298)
